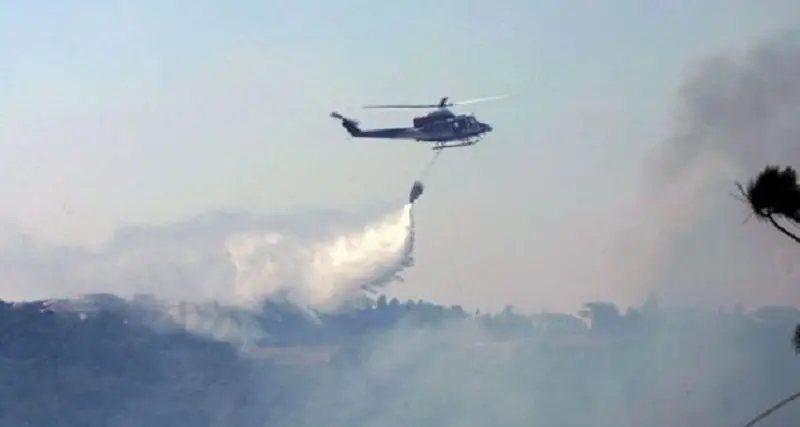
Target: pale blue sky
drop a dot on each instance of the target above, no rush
(157, 110)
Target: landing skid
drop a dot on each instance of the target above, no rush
(466, 143)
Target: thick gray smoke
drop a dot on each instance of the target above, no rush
(737, 113)
(679, 369)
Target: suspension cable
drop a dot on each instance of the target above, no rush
(429, 166)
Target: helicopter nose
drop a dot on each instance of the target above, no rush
(487, 127)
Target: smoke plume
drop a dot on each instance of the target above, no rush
(737, 113)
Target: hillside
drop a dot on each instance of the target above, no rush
(104, 361)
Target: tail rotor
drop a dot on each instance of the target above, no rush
(349, 124)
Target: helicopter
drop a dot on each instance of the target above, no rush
(441, 127)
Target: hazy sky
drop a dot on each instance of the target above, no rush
(114, 112)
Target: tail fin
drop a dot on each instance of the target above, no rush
(349, 124)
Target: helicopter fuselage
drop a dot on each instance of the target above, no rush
(444, 126)
(440, 127)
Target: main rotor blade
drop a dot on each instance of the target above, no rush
(445, 105)
(475, 100)
(403, 106)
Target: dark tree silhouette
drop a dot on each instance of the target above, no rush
(775, 193)
(772, 194)
(774, 408)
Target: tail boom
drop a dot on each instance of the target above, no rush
(350, 125)
(352, 128)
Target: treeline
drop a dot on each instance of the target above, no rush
(111, 364)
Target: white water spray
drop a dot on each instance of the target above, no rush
(322, 274)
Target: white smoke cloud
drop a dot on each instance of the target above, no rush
(319, 261)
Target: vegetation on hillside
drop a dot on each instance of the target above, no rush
(392, 364)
